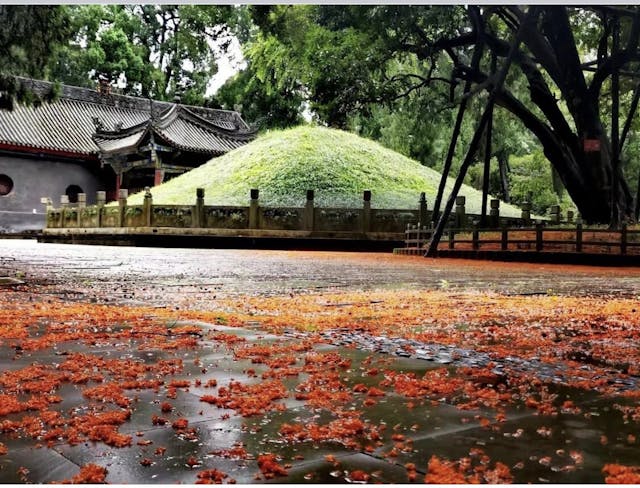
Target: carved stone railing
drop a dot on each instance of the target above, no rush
(200, 216)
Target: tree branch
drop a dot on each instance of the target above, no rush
(615, 61)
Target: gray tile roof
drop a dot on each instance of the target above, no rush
(67, 124)
(179, 127)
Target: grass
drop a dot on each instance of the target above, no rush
(338, 165)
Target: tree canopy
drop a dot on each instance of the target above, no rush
(29, 36)
(559, 86)
(154, 51)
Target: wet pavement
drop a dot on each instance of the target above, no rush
(568, 447)
(148, 274)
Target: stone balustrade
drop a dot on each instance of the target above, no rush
(254, 216)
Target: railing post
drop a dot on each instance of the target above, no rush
(623, 239)
(504, 239)
(422, 209)
(494, 212)
(407, 235)
(556, 214)
(452, 235)
(101, 199)
(123, 194)
(309, 211)
(147, 206)
(199, 218)
(579, 237)
(253, 208)
(82, 203)
(366, 211)
(475, 235)
(526, 213)
(538, 237)
(48, 206)
(64, 203)
(461, 218)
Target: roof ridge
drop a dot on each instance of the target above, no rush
(84, 94)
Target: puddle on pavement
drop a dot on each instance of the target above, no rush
(433, 428)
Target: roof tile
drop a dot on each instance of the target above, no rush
(66, 124)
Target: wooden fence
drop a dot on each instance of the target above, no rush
(578, 239)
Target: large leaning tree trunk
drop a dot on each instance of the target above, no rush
(586, 172)
(577, 145)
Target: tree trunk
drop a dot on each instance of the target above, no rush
(588, 175)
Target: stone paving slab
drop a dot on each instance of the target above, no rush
(42, 464)
(434, 428)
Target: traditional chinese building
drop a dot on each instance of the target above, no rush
(88, 140)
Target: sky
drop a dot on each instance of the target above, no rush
(229, 64)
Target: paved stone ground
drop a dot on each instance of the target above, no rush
(189, 278)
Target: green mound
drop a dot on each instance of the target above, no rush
(338, 165)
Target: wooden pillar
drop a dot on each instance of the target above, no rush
(119, 176)
(158, 177)
(526, 213)
(475, 238)
(555, 214)
(539, 243)
(579, 237)
(504, 239)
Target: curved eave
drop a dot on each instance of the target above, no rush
(122, 133)
(186, 147)
(180, 111)
(121, 144)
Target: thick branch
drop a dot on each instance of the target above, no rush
(616, 61)
(630, 115)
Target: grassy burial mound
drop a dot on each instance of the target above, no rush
(338, 165)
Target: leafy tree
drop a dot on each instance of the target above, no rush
(154, 50)
(29, 36)
(556, 85)
(269, 109)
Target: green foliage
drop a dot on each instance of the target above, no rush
(156, 50)
(29, 36)
(284, 164)
(267, 108)
(531, 180)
